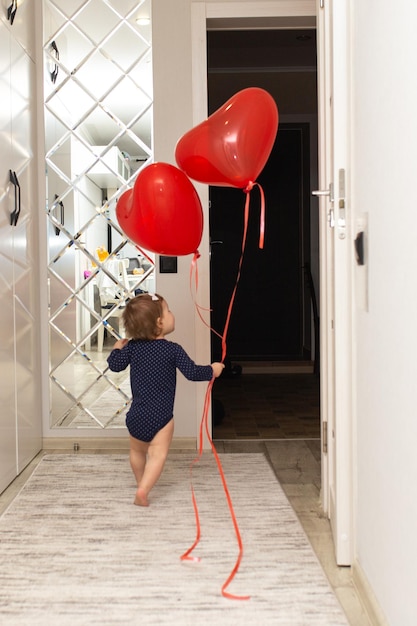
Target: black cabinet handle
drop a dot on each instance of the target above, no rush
(54, 52)
(14, 216)
(62, 216)
(11, 11)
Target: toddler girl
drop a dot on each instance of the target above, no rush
(153, 364)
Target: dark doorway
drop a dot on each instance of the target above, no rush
(272, 320)
(267, 321)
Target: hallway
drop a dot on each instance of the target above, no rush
(267, 405)
(296, 463)
(279, 414)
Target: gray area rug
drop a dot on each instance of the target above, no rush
(75, 550)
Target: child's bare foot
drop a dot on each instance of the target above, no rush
(141, 498)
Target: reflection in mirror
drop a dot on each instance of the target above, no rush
(98, 134)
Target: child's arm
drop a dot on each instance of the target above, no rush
(118, 358)
(190, 370)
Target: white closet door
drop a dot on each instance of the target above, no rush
(23, 29)
(20, 415)
(8, 463)
(24, 250)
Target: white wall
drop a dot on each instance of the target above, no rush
(173, 116)
(384, 174)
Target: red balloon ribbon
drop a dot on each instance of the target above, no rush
(187, 556)
(196, 256)
(194, 289)
(247, 190)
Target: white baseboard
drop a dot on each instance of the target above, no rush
(367, 596)
(107, 443)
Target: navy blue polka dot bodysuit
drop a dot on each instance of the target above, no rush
(153, 377)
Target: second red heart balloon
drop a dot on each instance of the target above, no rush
(162, 213)
(232, 146)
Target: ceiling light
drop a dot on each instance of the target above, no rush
(143, 21)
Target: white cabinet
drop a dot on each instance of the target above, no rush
(20, 414)
(22, 29)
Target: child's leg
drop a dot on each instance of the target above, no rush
(137, 456)
(157, 453)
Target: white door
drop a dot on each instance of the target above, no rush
(26, 345)
(8, 459)
(335, 264)
(335, 242)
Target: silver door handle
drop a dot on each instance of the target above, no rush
(330, 193)
(324, 192)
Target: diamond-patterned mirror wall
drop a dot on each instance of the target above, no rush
(98, 133)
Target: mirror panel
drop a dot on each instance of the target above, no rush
(98, 134)
(97, 19)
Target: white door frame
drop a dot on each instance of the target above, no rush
(335, 252)
(337, 291)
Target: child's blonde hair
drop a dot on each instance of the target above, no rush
(140, 317)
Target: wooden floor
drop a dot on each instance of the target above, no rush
(266, 406)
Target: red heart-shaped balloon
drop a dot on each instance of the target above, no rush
(232, 146)
(162, 213)
(124, 210)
